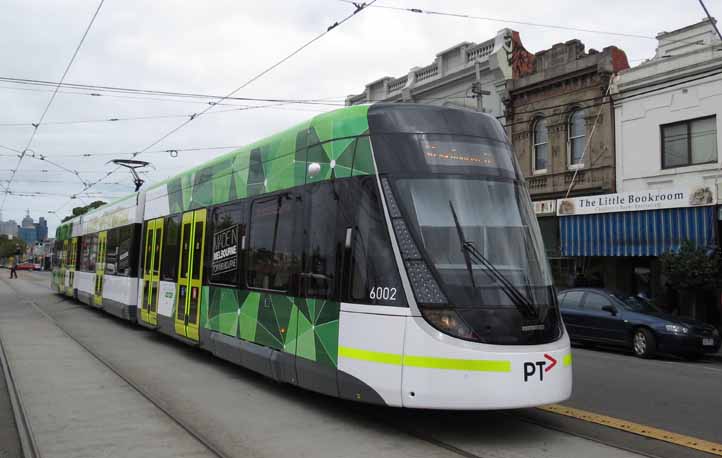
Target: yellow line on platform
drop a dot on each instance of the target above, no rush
(636, 428)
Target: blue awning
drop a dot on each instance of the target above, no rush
(641, 233)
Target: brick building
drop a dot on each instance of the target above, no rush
(552, 106)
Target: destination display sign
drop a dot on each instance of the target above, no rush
(460, 152)
(225, 250)
(636, 201)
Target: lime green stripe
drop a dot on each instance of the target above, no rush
(366, 355)
(458, 364)
(567, 360)
(426, 361)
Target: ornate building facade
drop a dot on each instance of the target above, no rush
(551, 110)
(468, 75)
(561, 125)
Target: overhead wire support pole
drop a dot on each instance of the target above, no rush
(37, 125)
(358, 8)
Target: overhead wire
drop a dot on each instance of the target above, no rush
(517, 22)
(358, 8)
(50, 102)
(144, 118)
(190, 95)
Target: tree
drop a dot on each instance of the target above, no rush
(9, 247)
(77, 211)
(690, 272)
(691, 267)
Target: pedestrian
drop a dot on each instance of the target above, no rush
(14, 269)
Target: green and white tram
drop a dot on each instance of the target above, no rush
(386, 254)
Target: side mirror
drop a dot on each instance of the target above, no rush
(611, 309)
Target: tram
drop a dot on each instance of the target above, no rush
(386, 254)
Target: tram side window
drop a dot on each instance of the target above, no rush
(127, 235)
(92, 252)
(171, 244)
(273, 253)
(227, 231)
(374, 273)
(319, 276)
(85, 253)
(111, 253)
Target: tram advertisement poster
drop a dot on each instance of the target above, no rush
(225, 249)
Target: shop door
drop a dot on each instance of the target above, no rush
(190, 274)
(100, 267)
(151, 271)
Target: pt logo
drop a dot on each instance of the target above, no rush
(533, 367)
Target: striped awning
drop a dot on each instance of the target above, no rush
(641, 233)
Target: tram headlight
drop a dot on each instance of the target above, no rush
(449, 322)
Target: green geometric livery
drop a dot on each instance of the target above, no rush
(300, 326)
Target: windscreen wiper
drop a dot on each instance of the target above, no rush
(468, 249)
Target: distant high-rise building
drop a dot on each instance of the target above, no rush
(28, 221)
(41, 229)
(28, 234)
(9, 228)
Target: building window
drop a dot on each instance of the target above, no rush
(689, 142)
(541, 146)
(577, 138)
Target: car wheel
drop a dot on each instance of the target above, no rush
(643, 343)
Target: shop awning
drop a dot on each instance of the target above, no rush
(640, 233)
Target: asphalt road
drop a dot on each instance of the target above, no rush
(676, 395)
(253, 416)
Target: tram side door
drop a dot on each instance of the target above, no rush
(190, 274)
(151, 271)
(73, 246)
(100, 267)
(63, 267)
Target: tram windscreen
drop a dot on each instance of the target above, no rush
(495, 217)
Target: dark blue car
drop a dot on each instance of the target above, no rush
(594, 315)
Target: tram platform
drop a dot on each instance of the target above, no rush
(75, 406)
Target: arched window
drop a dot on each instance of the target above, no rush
(541, 146)
(577, 137)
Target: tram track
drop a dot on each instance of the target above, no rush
(410, 431)
(136, 387)
(28, 445)
(189, 429)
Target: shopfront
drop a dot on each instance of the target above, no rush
(615, 239)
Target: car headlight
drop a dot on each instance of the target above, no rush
(676, 329)
(715, 332)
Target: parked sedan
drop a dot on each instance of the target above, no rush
(593, 315)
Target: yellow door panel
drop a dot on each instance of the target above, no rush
(183, 273)
(147, 265)
(100, 267)
(190, 274)
(196, 276)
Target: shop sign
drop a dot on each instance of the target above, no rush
(545, 207)
(637, 201)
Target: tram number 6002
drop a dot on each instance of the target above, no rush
(382, 293)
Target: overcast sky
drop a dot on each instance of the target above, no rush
(212, 47)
